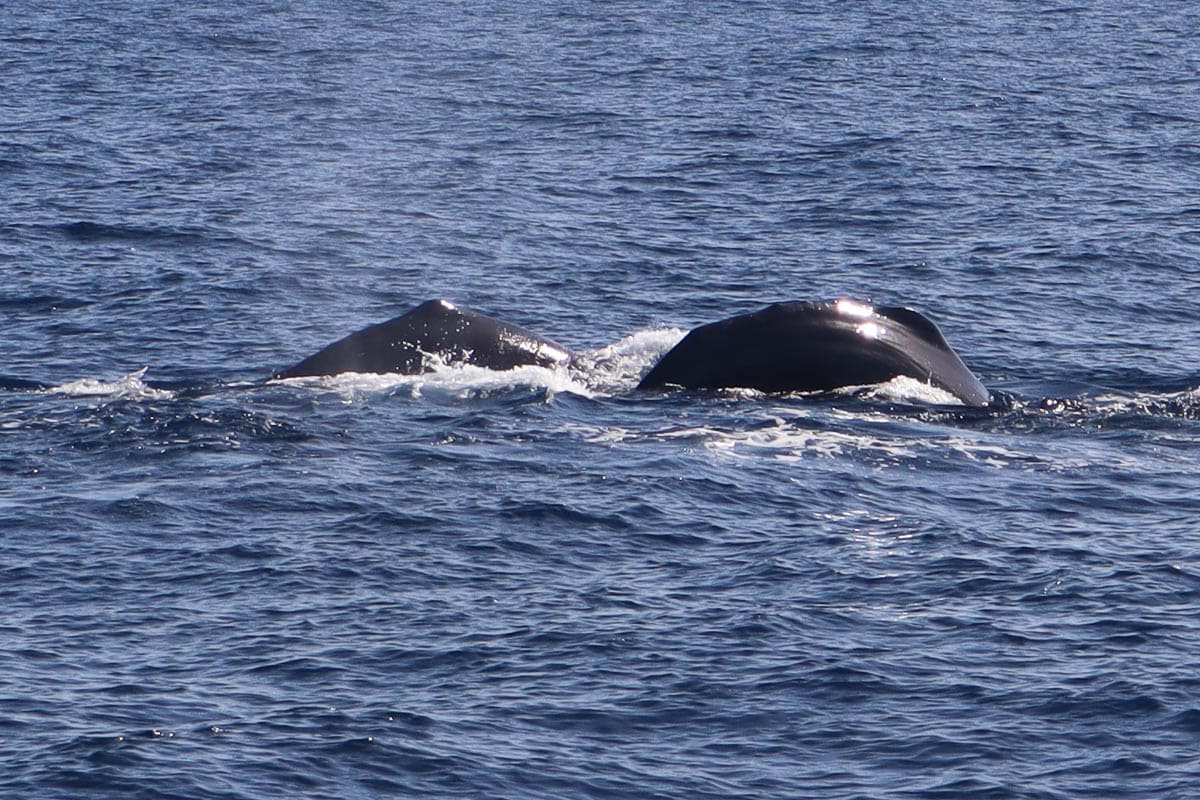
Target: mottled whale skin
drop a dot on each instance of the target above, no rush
(816, 346)
(434, 331)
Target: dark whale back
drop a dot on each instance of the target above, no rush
(816, 346)
(432, 331)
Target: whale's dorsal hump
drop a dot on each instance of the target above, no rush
(915, 321)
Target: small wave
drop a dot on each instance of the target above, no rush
(9, 383)
(129, 387)
(42, 303)
(1109, 410)
(92, 232)
(1176, 405)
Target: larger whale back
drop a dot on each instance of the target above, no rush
(432, 332)
(816, 346)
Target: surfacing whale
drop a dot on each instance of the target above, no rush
(785, 347)
(816, 346)
(433, 332)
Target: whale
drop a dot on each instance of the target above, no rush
(435, 332)
(802, 346)
(812, 346)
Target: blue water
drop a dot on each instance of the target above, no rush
(545, 585)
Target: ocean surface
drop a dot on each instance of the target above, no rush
(544, 584)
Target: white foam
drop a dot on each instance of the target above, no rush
(791, 431)
(617, 368)
(903, 389)
(445, 382)
(128, 387)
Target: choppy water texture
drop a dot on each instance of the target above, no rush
(545, 585)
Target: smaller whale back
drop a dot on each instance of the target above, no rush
(435, 331)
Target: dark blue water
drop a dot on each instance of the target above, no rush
(544, 585)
